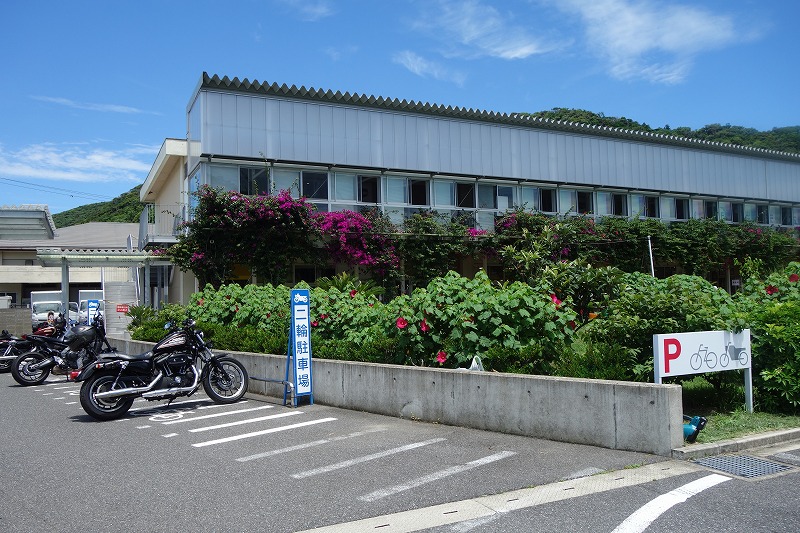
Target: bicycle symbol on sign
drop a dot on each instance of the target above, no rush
(731, 352)
(702, 355)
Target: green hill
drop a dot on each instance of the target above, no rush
(124, 208)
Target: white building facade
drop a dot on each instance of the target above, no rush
(350, 151)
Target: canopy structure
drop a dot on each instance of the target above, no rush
(26, 222)
(57, 257)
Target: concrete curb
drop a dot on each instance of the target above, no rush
(697, 451)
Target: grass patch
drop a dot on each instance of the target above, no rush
(723, 406)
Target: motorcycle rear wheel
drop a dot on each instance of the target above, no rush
(103, 409)
(226, 384)
(25, 377)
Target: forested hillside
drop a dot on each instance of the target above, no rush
(124, 208)
(786, 139)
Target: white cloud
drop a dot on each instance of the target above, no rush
(654, 41)
(480, 30)
(310, 11)
(77, 163)
(106, 108)
(427, 69)
(341, 52)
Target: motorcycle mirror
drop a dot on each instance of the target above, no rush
(168, 325)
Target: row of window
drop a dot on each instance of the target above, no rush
(400, 196)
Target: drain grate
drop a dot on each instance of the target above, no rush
(743, 465)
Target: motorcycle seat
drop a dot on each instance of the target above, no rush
(134, 357)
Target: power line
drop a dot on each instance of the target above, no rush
(57, 190)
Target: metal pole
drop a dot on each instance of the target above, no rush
(650, 249)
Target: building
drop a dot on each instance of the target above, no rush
(352, 151)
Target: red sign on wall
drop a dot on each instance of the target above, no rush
(122, 308)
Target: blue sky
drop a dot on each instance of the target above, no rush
(90, 89)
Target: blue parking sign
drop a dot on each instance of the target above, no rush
(299, 349)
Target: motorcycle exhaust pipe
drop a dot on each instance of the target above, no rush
(116, 393)
(175, 390)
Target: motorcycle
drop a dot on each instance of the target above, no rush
(176, 366)
(10, 348)
(77, 347)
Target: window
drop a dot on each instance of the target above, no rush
(762, 213)
(419, 192)
(529, 198)
(444, 193)
(402, 190)
(681, 209)
(505, 197)
(796, 216)
(737, 212)
(286, 180)
(724, 211)
(315, 185)
(225, 177)
(711, 209)
(487, 196)
(465, 194)
(585, 203)
(651, 207)
(547, 200)
(750, 212)
(786, 216)
(369, 189)
(698, 209)
(609, 203)
(253, 180)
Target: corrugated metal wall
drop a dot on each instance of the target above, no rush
(250, 126)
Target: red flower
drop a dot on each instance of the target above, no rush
(556, 300)
(353, 293)
(401, 323)
(323, 316)
(424, 325)
(771, 289)
(794, 278)
(441, 356)
(201, 301)
(314, 324)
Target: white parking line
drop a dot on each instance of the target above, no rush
(646, 515)
(248, 421)
(198, 400)
(168, 435)
(307, 445)
(364, 459)
(435, 476)
(263, 432)
(226, 413)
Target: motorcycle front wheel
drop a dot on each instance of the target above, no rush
(103, 409)
(25, 376)
(226, 382)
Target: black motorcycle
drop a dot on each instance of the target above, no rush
(78, 347)
(10, 348)
(176, 366)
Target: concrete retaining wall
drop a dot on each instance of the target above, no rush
(641, 417)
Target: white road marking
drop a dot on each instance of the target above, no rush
(58, 398)
(70, 403)
(263, 432)
(485, 507)
(248, 421)
(226, 413)
(142, 427)
(435, 476)
(647, 514)
(168, 435)
(365, 458)
(307, 445)
(48, 393)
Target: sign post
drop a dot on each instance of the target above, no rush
(91, 310)
(678, 354)
(298, 353)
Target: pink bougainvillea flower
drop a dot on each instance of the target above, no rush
(771, 289)
(314, 324)
(353, 293)
(441, 356)
(556, 300)
(794, 278)
(323, 316)
(201, 301)
(401, 323)
(424, 325)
